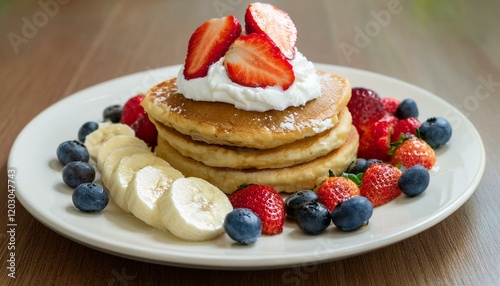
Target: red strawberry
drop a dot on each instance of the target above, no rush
(334, 190)
(405, 126)
(265, 202)
(273, 22)
(366, 108)
(132, 109)
(413, 151)
(254, 60)
(375, 142)
(209, 43)
(380, 183)
(145, 130)
(393, 120)
(390, 104)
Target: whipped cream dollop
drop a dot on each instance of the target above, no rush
(218, 87)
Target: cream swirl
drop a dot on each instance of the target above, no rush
(217, 87)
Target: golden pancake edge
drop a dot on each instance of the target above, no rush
(222, 123)
(286, 155)
(289, 179)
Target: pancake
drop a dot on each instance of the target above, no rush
(289, 179)
(286, 155)
(222, 123)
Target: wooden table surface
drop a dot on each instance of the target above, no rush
(50, 49)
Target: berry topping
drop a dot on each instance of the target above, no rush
(380, 183)
(132, 110)
(334, 190)
(255, 61)
(265, 202)
(209, 43)
(90, 197)
(391, 119)
(313, 217)
(273, 22)
(145, 130)
(436, 131)
(72, 150)
(404, 127)
(352, 214)
(375, 142)
(294, 200)
(86, 129)
(390, 105)
(407, 108)
(414, 181)
(366, 108)
(243, 226)
(78, 172)
(112, 113)
(412, 151)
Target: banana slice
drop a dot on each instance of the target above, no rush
(125, 172)
(117, 142)
(94, 140)
(146, 188)
(193, 209)
(111, 162)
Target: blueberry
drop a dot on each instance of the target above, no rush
(86, 129)
(414, 180)
(78, 172)
(313, 217)
(358, 166)
(374, 161)
(72, 150)
(436, 131)
(406, 109)
(294, 200)
(243, 226)
(352, 213)
(112, 113)
(90, 197)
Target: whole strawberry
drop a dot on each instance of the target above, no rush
(132, 109)
(413, 151)
(404, 127)
(265, 202)
(390, 105)
(145, 130)
(366, 108)
(334, 190)
(375, 142)
(380, 183)
(393, 120)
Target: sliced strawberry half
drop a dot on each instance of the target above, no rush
(209, 43)
(255, 61)
(273, 22)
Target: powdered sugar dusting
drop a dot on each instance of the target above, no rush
(289, 122)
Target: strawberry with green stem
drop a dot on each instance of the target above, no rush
(380, 183)
(334, 190)
(265, 202)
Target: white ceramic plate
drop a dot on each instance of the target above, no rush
(40, 189)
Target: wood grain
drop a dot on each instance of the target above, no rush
(451, 48)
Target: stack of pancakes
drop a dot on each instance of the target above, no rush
(289, 150)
